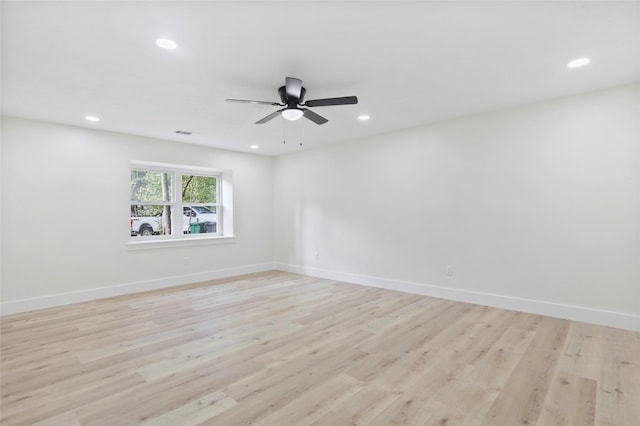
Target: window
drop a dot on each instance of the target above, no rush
(170, 202)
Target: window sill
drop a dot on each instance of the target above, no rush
(178, 242)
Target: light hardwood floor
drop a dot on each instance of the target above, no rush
(283, 349)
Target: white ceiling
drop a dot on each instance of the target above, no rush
(409, 63)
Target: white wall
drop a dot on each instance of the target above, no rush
(65, 196)
(535, 208)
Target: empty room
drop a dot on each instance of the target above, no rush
(419, 213)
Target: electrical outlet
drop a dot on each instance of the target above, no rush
(185, 261)
(449, 270)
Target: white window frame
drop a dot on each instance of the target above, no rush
(223, 204)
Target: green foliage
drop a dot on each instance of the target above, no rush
(146, 186)
(199, 189)
(139, 211)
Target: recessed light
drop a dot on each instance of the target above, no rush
(165, 43)
(363, 117)
(577, 63)
(255, 147)
(92, 118)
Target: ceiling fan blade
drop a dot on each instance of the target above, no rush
(244, 101)
(318, 119)
(269, 117)
(346, 100)
(294, 87)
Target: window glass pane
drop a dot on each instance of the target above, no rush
(148, 186)
(167, 205)
(199, 219)
(199, 189)
(150, 220)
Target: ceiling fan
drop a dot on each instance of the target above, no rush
(292, 99)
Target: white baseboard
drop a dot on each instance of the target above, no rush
(24, 305)
(575, 313)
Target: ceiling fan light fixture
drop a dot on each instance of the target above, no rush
(292, 114)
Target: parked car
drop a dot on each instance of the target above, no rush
(144, 225)
(199, 215)
(202, 216)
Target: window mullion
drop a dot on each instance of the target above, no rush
(219, 216)
(176, 220)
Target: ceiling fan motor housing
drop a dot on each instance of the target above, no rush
(282, 91)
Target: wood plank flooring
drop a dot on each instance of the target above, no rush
(282, 349)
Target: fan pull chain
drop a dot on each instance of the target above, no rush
(284, 133)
